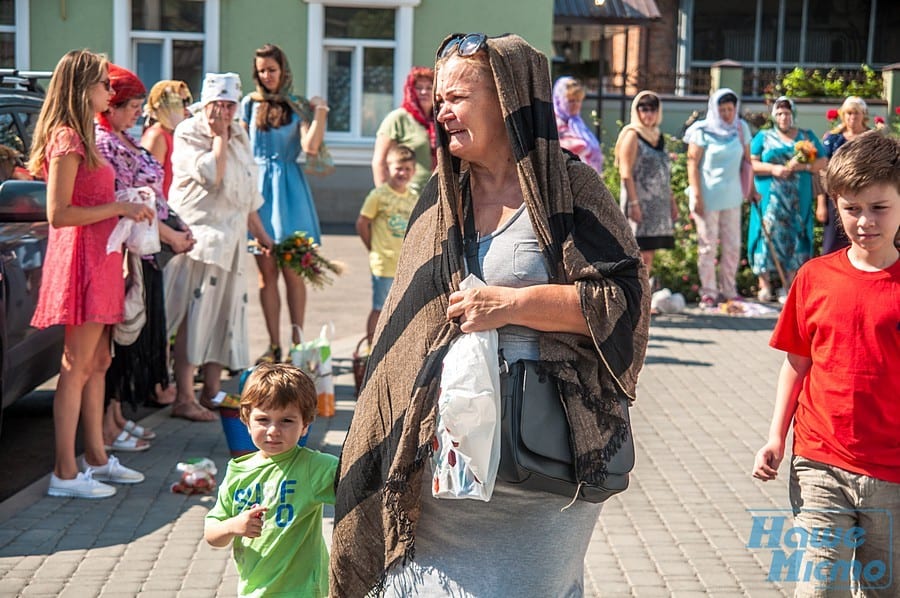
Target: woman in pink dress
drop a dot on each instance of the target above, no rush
(82, 288)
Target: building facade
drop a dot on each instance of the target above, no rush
(672, 54)
(355, 53)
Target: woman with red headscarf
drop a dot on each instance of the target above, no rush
(139, 370)
(411, 125)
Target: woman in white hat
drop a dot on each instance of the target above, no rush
(214, 191)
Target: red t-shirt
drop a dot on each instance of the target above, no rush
(848, 322)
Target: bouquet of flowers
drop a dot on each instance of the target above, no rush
(804, 152)
(301, 254)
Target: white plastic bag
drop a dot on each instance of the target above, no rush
(467, 437)
(140, 237)
(314, 358)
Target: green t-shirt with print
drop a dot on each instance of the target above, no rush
(290, 557)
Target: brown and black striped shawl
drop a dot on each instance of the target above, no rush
(587, 241)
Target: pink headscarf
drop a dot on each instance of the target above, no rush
(574, 134)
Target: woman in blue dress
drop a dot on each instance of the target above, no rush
(784, 181)
(282, 125)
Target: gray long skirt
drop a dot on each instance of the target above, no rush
(518, 544)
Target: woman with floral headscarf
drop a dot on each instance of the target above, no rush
(281, 125)
(716, 146)
(166, 107)
(785, 159)
(574, 134)
(139, 370)
(645, 195)
(411, 125)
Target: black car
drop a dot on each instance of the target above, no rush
(28, 357)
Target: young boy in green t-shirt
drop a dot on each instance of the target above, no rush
(269, 507)
(382, 224)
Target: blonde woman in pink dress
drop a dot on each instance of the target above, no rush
(82, 287)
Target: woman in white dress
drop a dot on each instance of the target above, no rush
(214, 191)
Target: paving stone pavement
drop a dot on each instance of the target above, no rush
(681, 529)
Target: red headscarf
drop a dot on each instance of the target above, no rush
(126, 86)
(411, 105)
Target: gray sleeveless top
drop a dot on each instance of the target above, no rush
(510, 257)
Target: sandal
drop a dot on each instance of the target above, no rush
(193, 411)
(139, 431)
(126, 443)
(273, 355)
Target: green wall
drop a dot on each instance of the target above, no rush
(88, 24)
(435, 19)
(245, 26)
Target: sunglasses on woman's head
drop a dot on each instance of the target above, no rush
(465, 44)
(647, 108)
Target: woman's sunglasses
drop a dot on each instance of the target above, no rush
(647, 108)
(107, 84)
(465, 44)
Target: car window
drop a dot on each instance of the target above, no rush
(9, 132)
(27, 120)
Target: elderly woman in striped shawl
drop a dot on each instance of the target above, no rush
(565, 285)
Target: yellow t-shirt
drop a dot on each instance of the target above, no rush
(389, 212)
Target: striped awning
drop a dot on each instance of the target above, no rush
(612, 12)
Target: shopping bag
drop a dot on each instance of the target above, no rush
(467, 438)
(140, 237)
(314, 358)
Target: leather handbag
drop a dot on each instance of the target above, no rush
(534, 448)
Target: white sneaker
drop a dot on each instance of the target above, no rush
(83, 486)
(113, 472)
(782, 296)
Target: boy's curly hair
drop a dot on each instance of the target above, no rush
(870, 159)
(277, 386)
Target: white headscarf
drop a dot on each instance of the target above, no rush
(221, 87)
(713, 122)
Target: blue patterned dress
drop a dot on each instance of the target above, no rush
(288, 205)
(786, 205)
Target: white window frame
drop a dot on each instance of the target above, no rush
(20, 29)
(125, 39)
(350, 148)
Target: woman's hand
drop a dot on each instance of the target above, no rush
(484, 308)
(634, 211)
(821, 209)
(698, 208)
(316, 101)
(782, 172)
(136, 211)
(674, 208)
(219, 121)
(182, 241)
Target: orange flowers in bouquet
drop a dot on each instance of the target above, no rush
(804, 152)
(301, 254)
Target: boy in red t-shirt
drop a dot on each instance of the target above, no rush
(840, 384)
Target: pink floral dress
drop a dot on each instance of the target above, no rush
(81, 282)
